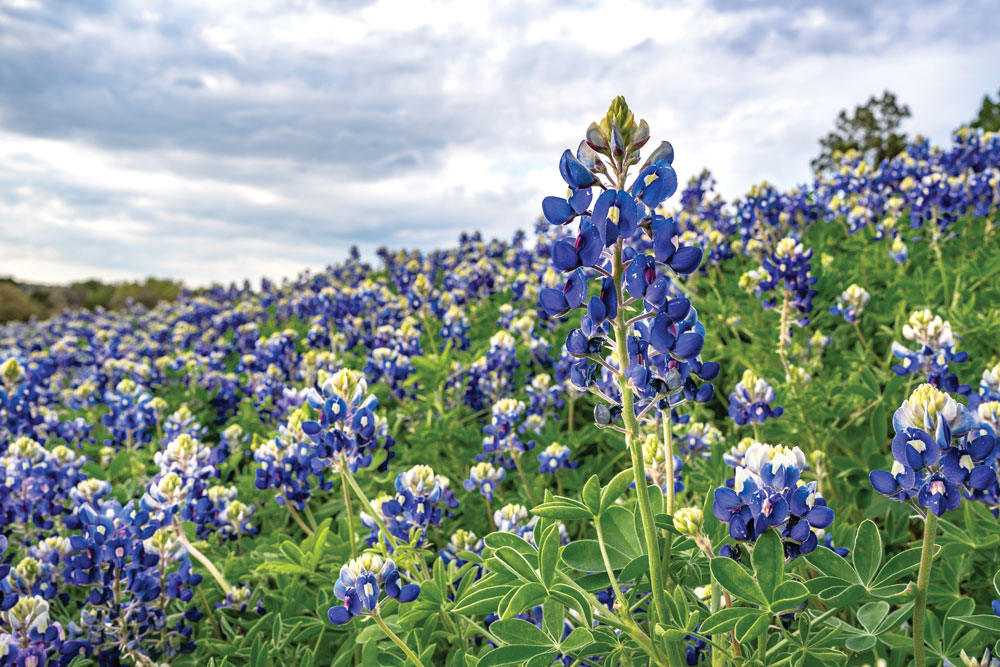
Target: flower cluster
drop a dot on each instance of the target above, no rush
(787, 269)
(767, 492)
(928, 465)
(418, 504)
(752, 399)
(633, 251)
(361, 584)
(851, 303)
(502, 443)
(937, 351)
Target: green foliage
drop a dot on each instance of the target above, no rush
(871, 130)
(988, 116)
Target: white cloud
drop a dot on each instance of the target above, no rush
(217, 141)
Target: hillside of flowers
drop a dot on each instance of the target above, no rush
(663, 428)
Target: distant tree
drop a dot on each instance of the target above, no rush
(15, 304)
(988, 117)
(871, 129)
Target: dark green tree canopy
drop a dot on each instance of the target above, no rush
(988, 117)
(871, 129)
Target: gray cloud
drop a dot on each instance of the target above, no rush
(213, 141)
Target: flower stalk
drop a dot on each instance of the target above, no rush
(923, 583)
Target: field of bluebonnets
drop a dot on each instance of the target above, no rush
(433, 461)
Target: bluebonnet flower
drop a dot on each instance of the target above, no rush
(239, 598)
(181, 421)
(697, 438)
(33, 638)
(421, 496)
(752, 399)
(485, 478)
(514, 518)
(455, 328)
(851, 303)
(348, 431)
(544, 399)
(767, 492)
(361, 584)
(501, 443)
(986, 661)
(989, 387)
(554, 457)
(131, 420)
(36, 482)
(927, 465)
(987, 417)
(663, 351)
(491, 376)
(461, 540)
(898, 250)
(788, 269)
(935, 355)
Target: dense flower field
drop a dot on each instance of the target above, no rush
(435, 461)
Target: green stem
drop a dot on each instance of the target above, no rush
(923, 581)
(524, 479)
(783, 337)
(619, 597)
(310, 518)
(632, 442)
(717, 658)
(396, 640)
(201, 558)
(295, 515)
(353, 483)
(864, 343)
(569, 417)
(668, 453)
(209, 612)
(350, 517)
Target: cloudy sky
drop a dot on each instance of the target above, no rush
(217, 140)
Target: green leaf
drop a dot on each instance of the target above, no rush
(578, 639)
(513, 655)
(583, 601)
(749, 628)
(592, 495)
(788, 595)
(860, 643)
(585, 555)
(872, 614)
(481, 601)
(528, 595)
(867, 552)
(618, 524)
(516, 631)
(553, 617)
(548, 556)
(832, 565)
(736, 580)
(615, 488)
(291, 551)
(726, 619)
(516, 562)
(988, 622)
(768, 562)
(901, 564)
(562, 510)
(497, 540)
